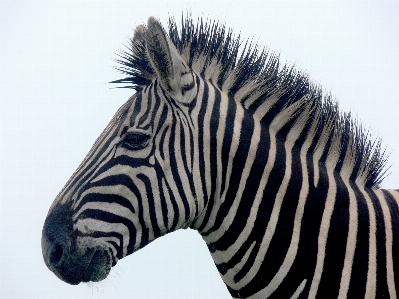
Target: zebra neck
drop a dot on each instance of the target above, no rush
(348, 231)
(227, 157)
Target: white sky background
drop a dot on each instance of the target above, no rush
(56, 58)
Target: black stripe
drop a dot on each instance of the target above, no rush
(382, 287)
(357, 287)
(109, 198)
(151, 204)
(147, 114)
(336, 243)
(118, 247)
(85, 174)
(208, 200)
(114, 180)
(112, 218)
(214, 119)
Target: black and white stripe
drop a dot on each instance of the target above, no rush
(281, 186)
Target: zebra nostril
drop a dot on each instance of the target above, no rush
(56, 254)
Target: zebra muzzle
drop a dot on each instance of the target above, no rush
(70, 260)
(98, 267)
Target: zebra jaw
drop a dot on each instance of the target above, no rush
(72, 258)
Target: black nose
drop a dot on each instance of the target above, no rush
(54, 249)
(57, 242)
(56, 253)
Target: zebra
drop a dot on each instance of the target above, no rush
(218, 137)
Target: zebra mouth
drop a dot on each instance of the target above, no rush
(98, 267)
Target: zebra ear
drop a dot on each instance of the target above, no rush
(173, 73)
(139, 35)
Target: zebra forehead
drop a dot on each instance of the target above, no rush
(255, 78)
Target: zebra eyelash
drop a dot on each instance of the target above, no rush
(135, 141)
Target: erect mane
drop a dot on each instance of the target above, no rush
(255, 78)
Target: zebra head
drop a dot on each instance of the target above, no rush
(137, 183)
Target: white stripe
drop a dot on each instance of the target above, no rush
(299, 290)
(164, 148)
(388, 243)
(143, 106)
(350, 243)
(157, 204)
(266, 105)
(320, 146)
(228, 220)
(275, 282)
(371, 284)
(89, 225)
(326, 219)
(219, 167)
(196, 163)
(82, 171)
(169, 205)
(172, 185)
(239, 115)
(223, 109)
(148, 116)
(110, 207)
(207, 138)
(228, 278)
(97, 147)
(225, 256)
(120, 190)
(183, 177)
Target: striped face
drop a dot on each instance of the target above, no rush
(134, 186)
(136, 183)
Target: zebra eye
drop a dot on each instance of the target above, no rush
(135, 141)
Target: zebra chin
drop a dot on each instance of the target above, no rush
(72, 258)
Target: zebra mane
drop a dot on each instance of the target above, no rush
(256, 79)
